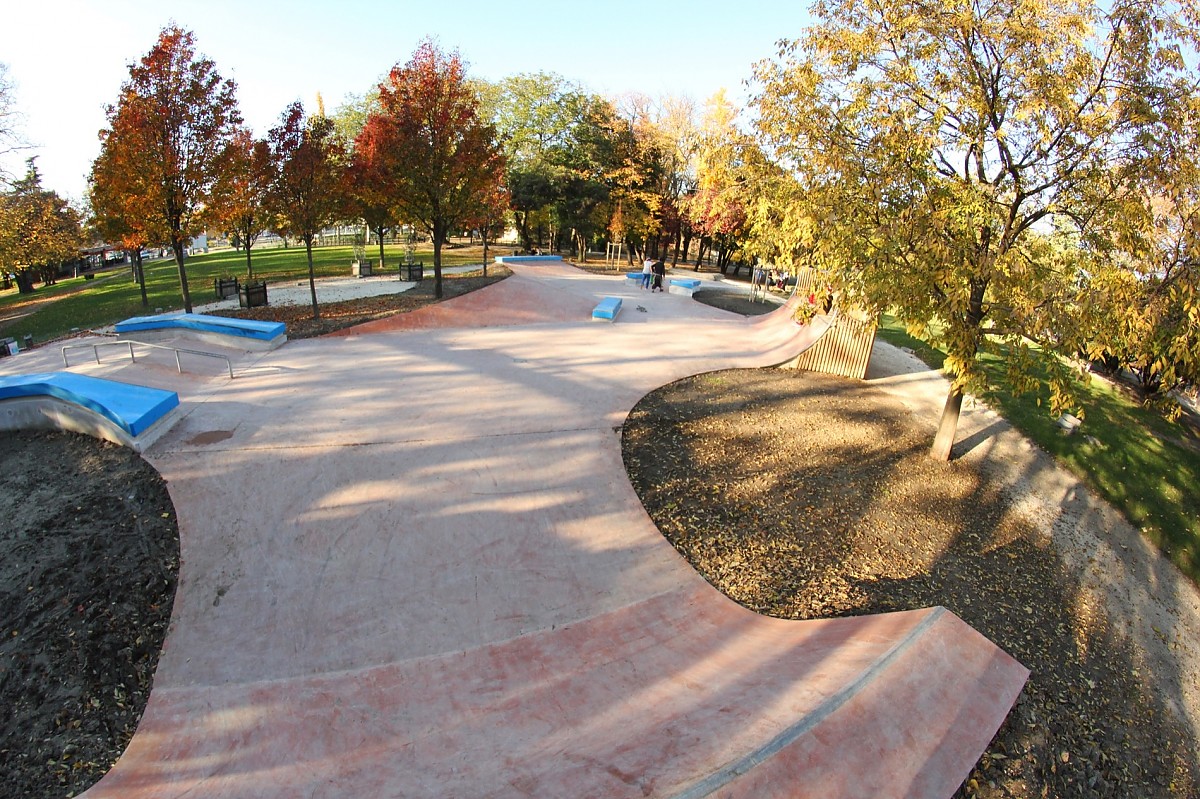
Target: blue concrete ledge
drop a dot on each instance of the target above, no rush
(524, 259)
(133, 409)
(608, 309)
(223, 325)
(686, 283)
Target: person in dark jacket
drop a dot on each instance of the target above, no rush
(660, 270)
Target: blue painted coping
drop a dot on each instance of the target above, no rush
(607, 309)
(244, 328)
(521, 259)
(689, 283)
(132, 408)
(634, 275)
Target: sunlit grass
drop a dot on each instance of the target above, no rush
(1145, 465)
(114, 294)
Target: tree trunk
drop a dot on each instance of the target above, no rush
(249, 263)
(312, 277)
(140, 271)
(379, 231)
(438, 235)
(522, 218)
(943, 443)
(177, 248)
(483, 235)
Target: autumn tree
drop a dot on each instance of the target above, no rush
(937, 144)
(119, 211)
(309, 159)
(441, 155)
(487, 215)
(1143, 289)
(718, 208)
(368, 188)
(172, 122)
(39, 230)
(240, 195)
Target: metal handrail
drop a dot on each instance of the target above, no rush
(177, 350)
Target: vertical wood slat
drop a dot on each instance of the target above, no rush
(844, 350)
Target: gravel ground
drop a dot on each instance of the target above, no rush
(806, 496)
(89, 554)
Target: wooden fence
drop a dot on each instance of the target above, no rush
(844, 350)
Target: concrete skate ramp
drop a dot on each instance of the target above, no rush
(413, 566)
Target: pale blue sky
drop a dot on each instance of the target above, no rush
(68, 58)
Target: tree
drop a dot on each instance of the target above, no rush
(171, 125)
(441, 156)
(718, 209)
(306, 194)
(1144, 290)
(119, 213)
(39, 230)
(241, 192)
(935, 143)
(368, 185)
(487, 216)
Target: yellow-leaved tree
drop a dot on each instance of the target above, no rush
(963, 162)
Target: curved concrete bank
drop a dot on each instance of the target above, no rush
(413, 566)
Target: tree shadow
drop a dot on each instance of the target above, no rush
(804, 496)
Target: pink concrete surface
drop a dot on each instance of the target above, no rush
(413, 566)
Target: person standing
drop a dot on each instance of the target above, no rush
(660, 271)
(647, 272)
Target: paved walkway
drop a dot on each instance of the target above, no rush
(412, 565)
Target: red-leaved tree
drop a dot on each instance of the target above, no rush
(240, 203)
(487, 215)
(120, 214)
(441, 156)
(306, 193)
(368, 186)
(171, 123)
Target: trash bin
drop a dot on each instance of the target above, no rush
(413, 272)
(253, 295)
(226, 287)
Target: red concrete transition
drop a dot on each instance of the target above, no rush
(413, 566)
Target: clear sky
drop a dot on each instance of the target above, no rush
(68, 58)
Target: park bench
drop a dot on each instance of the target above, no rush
(607, 310)
(123, 413)
(249, 334)
(685, 286)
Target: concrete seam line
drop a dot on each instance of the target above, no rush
(728, 773)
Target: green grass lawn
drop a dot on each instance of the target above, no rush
(113, 295)
(1143, 464)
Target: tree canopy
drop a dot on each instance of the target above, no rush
(39, 230)
(170, 126)
(306, 193)
(240, 196)
(938, 147)
(441, 156)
